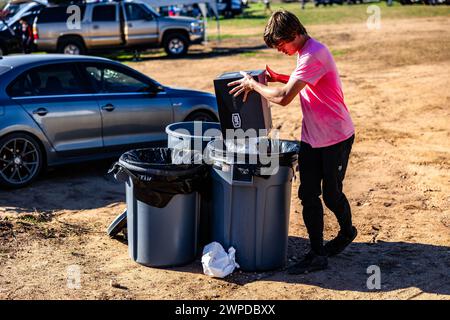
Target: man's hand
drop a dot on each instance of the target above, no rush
(281, 96)
(271, 75)
(242, 85)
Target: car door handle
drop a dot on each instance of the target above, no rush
(109, 107)
(95, 27)
(130, 25)
(40, 111)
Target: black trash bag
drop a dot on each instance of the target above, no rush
(288, 152)
(155, 178)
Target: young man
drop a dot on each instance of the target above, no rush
(327, 132)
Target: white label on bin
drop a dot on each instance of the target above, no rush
(236, 119)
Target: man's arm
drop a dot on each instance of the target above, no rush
(273, 76)
(282, 95)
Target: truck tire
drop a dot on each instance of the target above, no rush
(71, 46)
(176, 45)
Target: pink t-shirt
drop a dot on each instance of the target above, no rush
(326, 119)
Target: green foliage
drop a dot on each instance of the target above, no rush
(254, 16)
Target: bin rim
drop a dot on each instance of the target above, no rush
(173, 133)
(179, 170)
(222, 152)
(220, 155)
(162, 171)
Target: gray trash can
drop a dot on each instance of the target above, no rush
(195, 135)
(162, 206)
(251, 207)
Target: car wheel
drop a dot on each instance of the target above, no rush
(20, 160)
(201, 116)
(72, 46)
(176, 45)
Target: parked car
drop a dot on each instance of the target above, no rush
(9, 41)
(16, 9)
(191, 10)
(10, 27)
(114, 25)
(229, 8)
(58, 109)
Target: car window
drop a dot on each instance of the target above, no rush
(48, 80)
(136, 12)
(111, 80)
(104, 13)
(58, 14)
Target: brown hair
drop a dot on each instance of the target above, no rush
(282, 26)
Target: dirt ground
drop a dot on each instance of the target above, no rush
(396, 83)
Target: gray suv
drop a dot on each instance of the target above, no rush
(78, 29)
(58, 109)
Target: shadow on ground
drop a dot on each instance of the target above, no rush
(402, 265)
(70, 187)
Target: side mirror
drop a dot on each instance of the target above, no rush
(152, 90)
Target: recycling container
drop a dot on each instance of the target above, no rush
(163, 206)
(234, 113)
(251, 201)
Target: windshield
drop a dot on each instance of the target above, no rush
(150, 9)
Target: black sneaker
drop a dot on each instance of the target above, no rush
(310, 263)
(338, 244)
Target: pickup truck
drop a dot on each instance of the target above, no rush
(106, 26)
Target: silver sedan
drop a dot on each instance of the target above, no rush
(59, 109)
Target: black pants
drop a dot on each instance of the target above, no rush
(322, 170)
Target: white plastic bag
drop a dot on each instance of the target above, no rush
(216, 262)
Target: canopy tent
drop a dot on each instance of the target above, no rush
(201, 3)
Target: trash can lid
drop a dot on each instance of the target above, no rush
(119, 223)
